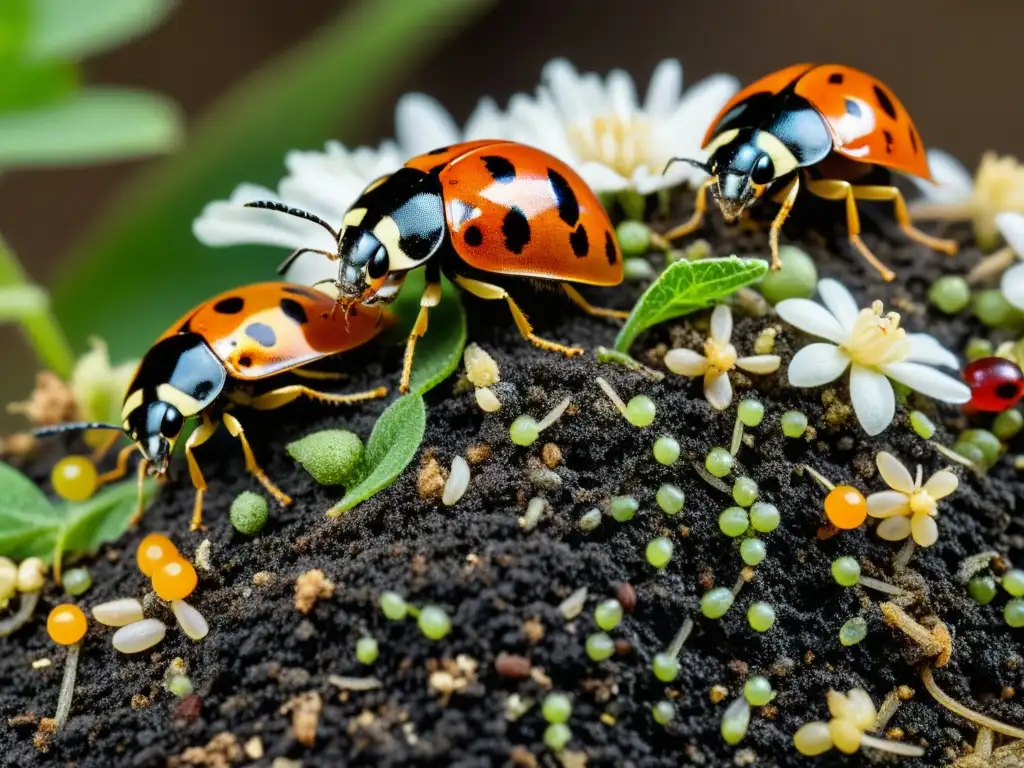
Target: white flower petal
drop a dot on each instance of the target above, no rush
(839, 301)
(873, 400)
(926, 349)
(953, 182)
(760, 363)
(718, 390)
(941, 484)
(622, 93)
(486, 122)
(817, 364)
(229, 223)
(686, 362)
(567, 89)
(928, 381)
(894, 528)
(422, 124)
(664, 90)
(601, 178)
(810, 317)
(888, 503)
(1011, 226)
(721, 323)
(895, 475)
(924, 529)
(1012, 286)
(310, 269)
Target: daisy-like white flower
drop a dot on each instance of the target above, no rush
(997, 186)
(599, 127)
(718, 359)
(910, 508)
(1011, 227)
(327, 183)
(875, 349)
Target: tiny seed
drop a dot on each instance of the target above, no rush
(140, 636)
(853, 631)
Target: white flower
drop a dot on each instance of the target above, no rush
(998, 185)
(327, 183)
(718, 359)
(910, 508)
(98, 386)
(1011, 227)
(600, 128)
(874, 348)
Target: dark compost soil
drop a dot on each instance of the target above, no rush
(502, 585)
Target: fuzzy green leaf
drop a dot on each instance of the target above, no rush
(73, 29)
(685, 287)
(104, 517)
(393, 443)
(15, 27)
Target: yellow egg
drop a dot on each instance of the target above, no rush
(74, 478)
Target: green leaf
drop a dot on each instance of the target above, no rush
(15, 27)
(393, 443)
(438, 352)
(92, 125)
(30, 526)
(29, 85)
(76, 29)
(323, 88)
(685, 287)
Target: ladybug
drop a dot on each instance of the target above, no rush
(997, 384)
(823, 127)
(216, 357)
(474, 211)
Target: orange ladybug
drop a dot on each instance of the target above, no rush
(820, 126)
(214, 358)
(473, 211)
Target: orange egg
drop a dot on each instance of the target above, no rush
(846, 507)
(66, 624)
(155, 550)
(175, 580)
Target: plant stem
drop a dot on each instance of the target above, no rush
(34, 315)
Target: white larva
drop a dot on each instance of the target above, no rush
(457, 483)
(140, 636)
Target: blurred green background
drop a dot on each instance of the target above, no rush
(254, 78)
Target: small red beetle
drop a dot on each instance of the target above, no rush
(825, 124)
(474, 211)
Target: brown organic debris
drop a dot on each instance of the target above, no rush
(522, 757)
(533, 629)
(305, 710)
(478, 454)
(432, 477)
(551, 455)
(44, 735)
(512, 665)
(220, 752)
(312, 586)
(51, 402)
(626, 595)
(935, 643)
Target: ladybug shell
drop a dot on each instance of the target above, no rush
(516, 210)
(267, 328)
(865, 119)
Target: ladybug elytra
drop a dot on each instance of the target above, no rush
(209, 361)
(997, 384)
(820, 127)
(473, 211)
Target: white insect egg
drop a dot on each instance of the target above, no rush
(191, 621)
(487, 400)
(457, 483)
(140, 636)
(118, 613)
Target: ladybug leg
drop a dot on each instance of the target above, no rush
(834, 189)
(200, 435)
(140, 505)
(491, 292)
(235, 428)
(121, 468)
(105, 447)
(886, 194)
(275, 398)
(319, 375)
(700, 206)
(577, 298)
(788, 196)
(431, 298)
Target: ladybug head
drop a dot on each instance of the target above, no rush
(742, 170)
(155, 426)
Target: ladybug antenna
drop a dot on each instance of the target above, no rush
(76, 426)
(689, 161)
(270, 205)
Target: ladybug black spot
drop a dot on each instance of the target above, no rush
(568, 205)
(852, 108)
(609, 247)
(436, 170)
(885, 102)
(262, 334)
(516, 229)
(474, 236)
(888, 141)
(438, 151)
(232, 305)
(500, 168)
(294, 310)
(245, 361)
(579, 242)
(306, 293)
(1007, 391)
(913, 139)
(836, 78)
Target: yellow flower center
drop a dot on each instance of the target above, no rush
(721, 356)
(922, 503)
(876, 340)
(620, 142)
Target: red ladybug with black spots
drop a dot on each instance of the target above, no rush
(819, 127)
(227, 352)
(473, 211)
